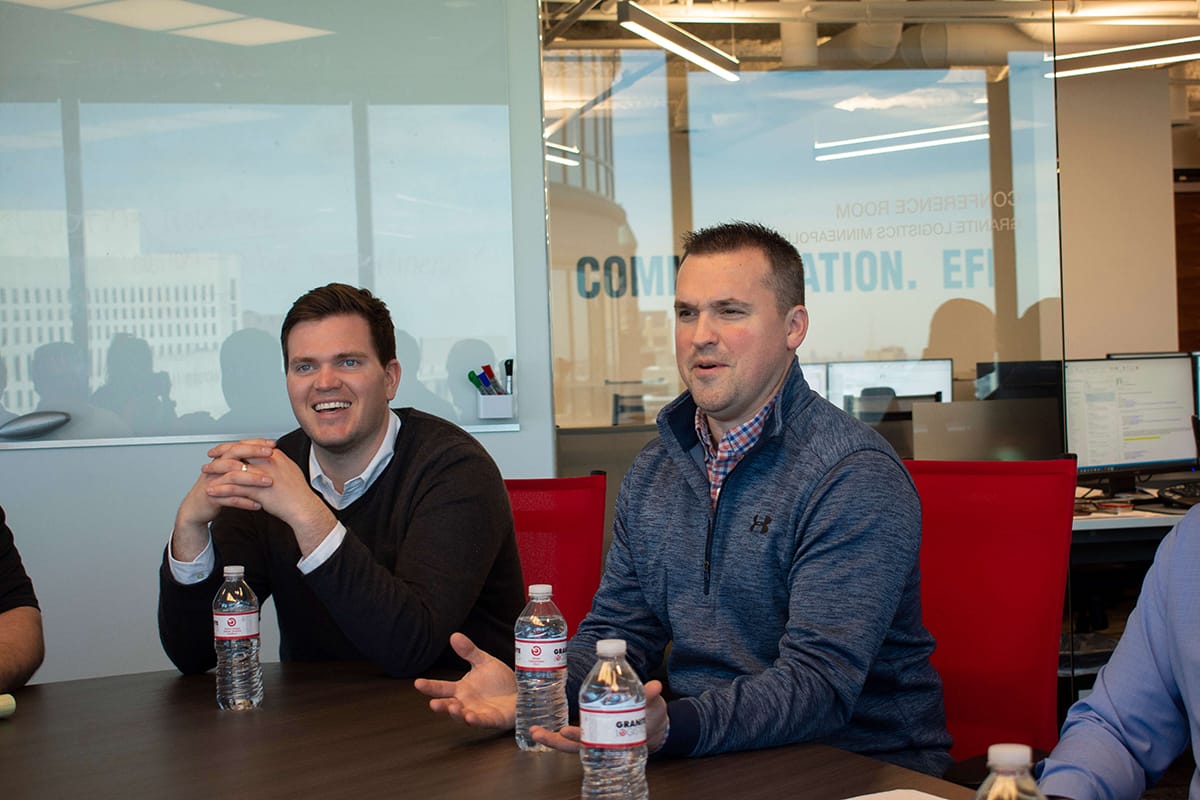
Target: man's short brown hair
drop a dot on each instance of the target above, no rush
(335, 299)
(787, 268)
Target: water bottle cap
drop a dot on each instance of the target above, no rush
(234, 571)
(540, 590)
(1009, 755)
(610, 648)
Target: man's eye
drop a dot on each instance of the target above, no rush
(302, 368)
(350, 362)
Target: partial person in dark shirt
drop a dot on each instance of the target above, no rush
(22, 647)
(378, 532)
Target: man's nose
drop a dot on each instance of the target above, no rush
(327, 377)
(705, 331)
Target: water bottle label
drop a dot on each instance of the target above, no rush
(539, 654)
(239, 625)
(612, 727)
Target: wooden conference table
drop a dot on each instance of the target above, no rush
(344, 730)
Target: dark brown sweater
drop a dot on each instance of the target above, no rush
(429, 550)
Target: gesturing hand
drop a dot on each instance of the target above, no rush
(485, 697)
(567, 739)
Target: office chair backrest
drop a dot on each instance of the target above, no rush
(560, 535)
(995, 542)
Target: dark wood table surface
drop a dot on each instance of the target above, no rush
(345, 730)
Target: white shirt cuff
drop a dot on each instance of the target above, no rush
(188, 572)
(327, 547)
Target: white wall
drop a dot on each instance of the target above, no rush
(1118, 218)
(91, 522)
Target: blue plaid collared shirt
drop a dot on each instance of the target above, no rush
(721, 457)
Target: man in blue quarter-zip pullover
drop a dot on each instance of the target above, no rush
(766, 536)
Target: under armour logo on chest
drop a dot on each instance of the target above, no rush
(760, 524)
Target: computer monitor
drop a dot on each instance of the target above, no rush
(817, 376)
(1149, 354)
(1129, 417)
(1018, 380)
(1034, 388)
(924, 379)
(1196, 375)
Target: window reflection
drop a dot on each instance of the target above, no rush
(168, 199)
(912, 194)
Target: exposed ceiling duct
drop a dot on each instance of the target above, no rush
(946, 45)
(861, 34)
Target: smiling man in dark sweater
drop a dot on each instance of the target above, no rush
(377, 531)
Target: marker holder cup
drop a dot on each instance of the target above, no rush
(495, 406)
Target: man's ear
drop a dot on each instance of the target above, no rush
(392, 371)
(797, 326)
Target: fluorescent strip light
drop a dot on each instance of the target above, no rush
(1123, 49)
(670, 37)
(895, 148)
(901, 134)
(1170, 51)
(567, 159)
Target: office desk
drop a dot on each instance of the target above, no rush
(343, 730)
(1111, 538)
(1103, 548)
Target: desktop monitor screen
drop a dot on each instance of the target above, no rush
(1196, 373)
(1152, 354)
(926, 379)
(1129, 415)
(1018, 380)
(817, 377)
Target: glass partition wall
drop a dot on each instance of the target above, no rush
(173, 175)
(908, 150)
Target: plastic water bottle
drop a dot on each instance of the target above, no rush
(235, 638)
(541, 666)
(1009, 776)
(612, 719)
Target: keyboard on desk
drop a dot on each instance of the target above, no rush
(1186, 494)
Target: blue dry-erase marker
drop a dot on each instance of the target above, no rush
(487, 385)
(493, 381)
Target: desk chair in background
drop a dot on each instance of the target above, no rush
(995, 542)
(560, 535)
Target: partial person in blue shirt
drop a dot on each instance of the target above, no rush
(1145, 706)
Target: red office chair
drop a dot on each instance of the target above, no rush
(995, 541)
(560, 535)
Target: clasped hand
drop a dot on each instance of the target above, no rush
(251, 475)
(486, 697)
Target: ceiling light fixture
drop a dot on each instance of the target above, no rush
(633, 17)
(568, 155)
(900, 135)
(896, 148)
(155, 15)
(1148, 54)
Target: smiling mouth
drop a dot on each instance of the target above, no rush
(332, 405)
